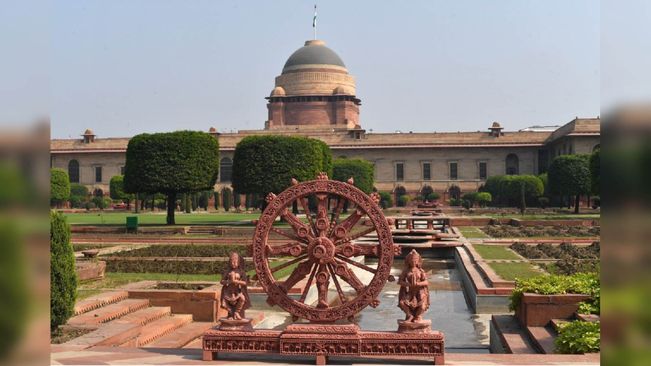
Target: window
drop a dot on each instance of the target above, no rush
(98, 174)
(73, 171)
(427, 171)
(122, 170)
(225, 170)
(512, 164)
(482, 170)
(400, 172)
(453, 171)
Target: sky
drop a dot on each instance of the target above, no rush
(127, 67)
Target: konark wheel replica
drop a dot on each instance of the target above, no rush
(320, 249)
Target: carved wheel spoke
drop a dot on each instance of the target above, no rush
(298, 274)
(287, 264)
(308, 284)
(288, 235)
(342, 296)
(290, 249)
(302, 231)
(357, 264)
(356, 235)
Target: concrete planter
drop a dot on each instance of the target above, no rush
(537, 310)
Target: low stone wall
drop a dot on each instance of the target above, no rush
(89, 269)
(538, 310)
(204, 305)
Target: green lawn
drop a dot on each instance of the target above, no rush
(511, 271)
(157, 218)
(495, 252)
(116, 279)
(550, 217)
(472, 232)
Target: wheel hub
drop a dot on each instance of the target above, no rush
(321, 250)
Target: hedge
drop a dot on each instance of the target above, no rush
(386, 199)
(169, 266)
(185, 251)
(506, 189)
(63, 278)
(578, 337)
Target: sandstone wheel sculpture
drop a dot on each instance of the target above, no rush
(320, 246)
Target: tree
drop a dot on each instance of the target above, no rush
(570, 175)
(483, 198)
(59, 186)
(595, 172)
(360, 170)
(386, 200)
(63, 278)
(116, 188)
(227, 198)
(263, 164)
(171, 163)
(507, 189)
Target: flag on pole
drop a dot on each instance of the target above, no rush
(314, 19)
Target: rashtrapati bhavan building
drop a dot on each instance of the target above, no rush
(315, 96)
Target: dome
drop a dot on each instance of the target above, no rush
(313, 53)
(278, 92)
(212, 130)
(88, 132)
(496, 125)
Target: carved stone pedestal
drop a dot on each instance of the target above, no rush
(423, 326)
(238, 325)
(324, 340)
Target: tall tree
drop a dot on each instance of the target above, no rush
(263, 164)
(595, 172)
(570, 175)
(171, 163)
(360, 170)
(63, 278)
(59, 186)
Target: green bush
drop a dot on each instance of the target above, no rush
(569, 175)
(507, 189)
(433, 196)
(471, 199)
(59, 186)
(191, 250)
(543, 202)
(578, 337)
(14, 287)
(580, 283)
(63, 278)
(360, 170)
(386, 200)
(99, 202)
(78, 190)
(116, 190)
(466, 204)
(227, 198)
(426, 191)
(403, 200)
(484, 198)
(595, 172)
(173, 266)
(455, 202)
(89, 205)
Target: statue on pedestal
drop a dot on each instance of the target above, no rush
(414, 293)
(234, 295)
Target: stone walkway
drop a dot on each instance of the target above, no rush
(187, 356)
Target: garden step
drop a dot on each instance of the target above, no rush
(157, 329)
(99, 300)
(542, 338)
(147, 315)
(513, 336)
(108, 313)
(111, 334)
(182, 336)
(196, 343)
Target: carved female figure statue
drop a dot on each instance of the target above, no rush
(234, 296)
(414, 294)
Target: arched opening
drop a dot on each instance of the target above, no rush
(398, 192)
(426, 191)
(98, 192)
(225, 170)
(596, 147)
(73, 171)
(454, 192)
(512, 164)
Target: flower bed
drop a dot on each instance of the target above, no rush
(509, 231)
(571, 258)
(156, 265)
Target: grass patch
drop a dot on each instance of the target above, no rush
(549, 217)
(156, 218)
(472, 232)
(511, 271)
(117, 279)
(495, 252)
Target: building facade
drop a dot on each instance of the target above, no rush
(315, 96)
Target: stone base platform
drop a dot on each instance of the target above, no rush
(324, 340)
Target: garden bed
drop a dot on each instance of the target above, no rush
(509, 231)
(186, 250)
(564, 259)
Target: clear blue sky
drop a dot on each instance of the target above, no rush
(126, 67)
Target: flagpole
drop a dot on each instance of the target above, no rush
(314, 22)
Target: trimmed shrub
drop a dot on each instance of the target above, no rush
(15, 304)
(227, 198)
(403, 200)
(578, 337)
(483, 199)
(507, 189)
(185, 251)
(569, 175)
(580, 283)
(360, 170)
(59, 186)
(63, 278)
(173, 163)
(78, 190)
(455, 202)
(116, 190)
(173, 266)
(543, 202)
(263, 164)
(433, 196)
(386, 200)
